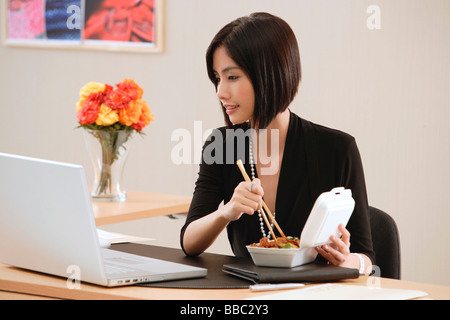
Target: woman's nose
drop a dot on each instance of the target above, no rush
(223, 91)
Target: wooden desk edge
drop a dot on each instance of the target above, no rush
(118, 218)
(171, 204)
(32, 283)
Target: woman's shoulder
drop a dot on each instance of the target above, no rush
(323, 134)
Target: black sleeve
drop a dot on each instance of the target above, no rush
(359, 223)
(208, 192)
(335, 161)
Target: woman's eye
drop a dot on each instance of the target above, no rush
(217, 80)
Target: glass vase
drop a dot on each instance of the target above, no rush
(108, 150)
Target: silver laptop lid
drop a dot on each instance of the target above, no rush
(46, 219)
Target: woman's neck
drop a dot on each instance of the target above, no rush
(270, 143)
(280, 122)
(277, 129)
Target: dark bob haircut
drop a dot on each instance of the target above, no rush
(266, 49)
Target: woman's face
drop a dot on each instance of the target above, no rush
(234, 88)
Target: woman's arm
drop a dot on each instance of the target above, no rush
(201, 233)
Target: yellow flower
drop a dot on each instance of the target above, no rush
(107, 116)
(87, 90)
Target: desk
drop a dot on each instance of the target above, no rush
(14, 283)
(139, 205)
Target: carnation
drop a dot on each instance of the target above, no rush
(101, 106)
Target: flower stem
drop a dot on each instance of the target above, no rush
(112, 145)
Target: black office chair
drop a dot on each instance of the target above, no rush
(386, 243)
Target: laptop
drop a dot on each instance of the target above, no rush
(47, 225)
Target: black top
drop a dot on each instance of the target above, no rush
(316, 159)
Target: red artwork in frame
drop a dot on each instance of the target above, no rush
(120, 20)
(112, 25)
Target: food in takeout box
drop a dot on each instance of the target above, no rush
(284, 252)
(330, 209)
(280, 242)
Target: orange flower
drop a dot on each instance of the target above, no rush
(131, 114)
(131, 88)
(145, 118)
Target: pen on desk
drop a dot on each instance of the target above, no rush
(277, 286)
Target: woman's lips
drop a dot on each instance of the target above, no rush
(230, 108)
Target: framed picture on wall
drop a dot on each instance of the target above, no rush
(113, 25)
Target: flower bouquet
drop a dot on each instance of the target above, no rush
(110, 116)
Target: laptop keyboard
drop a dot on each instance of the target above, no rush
(111, 269)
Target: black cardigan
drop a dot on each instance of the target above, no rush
(316, 159)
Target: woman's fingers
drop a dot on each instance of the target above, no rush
(252, 198)
(246, 201)
(247, 198)
(339, 250)
(255, 187)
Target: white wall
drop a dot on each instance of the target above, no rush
(389, 88)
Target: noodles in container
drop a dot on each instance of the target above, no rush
(329, 211)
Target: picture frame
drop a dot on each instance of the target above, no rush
(106, 25)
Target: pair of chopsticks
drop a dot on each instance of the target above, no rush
(272, 218)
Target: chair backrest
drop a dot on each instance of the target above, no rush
(386, 243)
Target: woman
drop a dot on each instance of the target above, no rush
(254, 63)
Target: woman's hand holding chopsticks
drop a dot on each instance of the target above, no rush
(263, 213)
(201, 233)
(246, 199)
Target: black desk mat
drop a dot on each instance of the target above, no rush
(215, 279)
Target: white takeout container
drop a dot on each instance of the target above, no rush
(329, 211)
(282, 258)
